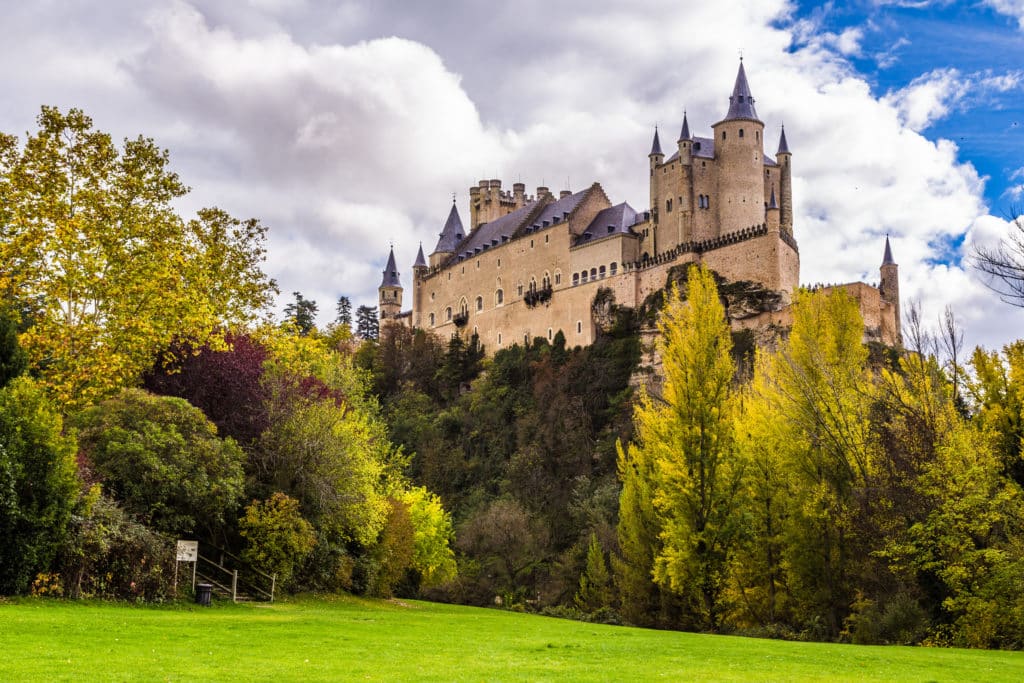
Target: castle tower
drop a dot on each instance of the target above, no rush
(420, 269)
(783, 157)
(451, 234)
(772, 213)
(657, 157)
(739, 152)
(685, 143)
(390, 290)
(890, 284)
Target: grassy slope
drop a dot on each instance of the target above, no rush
(347, 638)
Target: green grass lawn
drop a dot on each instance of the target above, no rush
(347, 638)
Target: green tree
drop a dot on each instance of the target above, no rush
(595, 582)
(998, 393)
(38, 483)
(90, 238)
(367, 322)
(301, 314)
(12, 356)
(688, 435)
(277, 538)
(161, 458)
(344, 312)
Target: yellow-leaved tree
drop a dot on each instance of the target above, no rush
(687, 436)
(104, 270)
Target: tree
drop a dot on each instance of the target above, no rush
(90, 238)
(688, 434)
(1003, 264)
(301, 314)
(12, 356)
(367, 322)
(595, 582)
(344, 312)
(161, 458)
(38, 483)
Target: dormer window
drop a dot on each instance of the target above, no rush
(611, 229)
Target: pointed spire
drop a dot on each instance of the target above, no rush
(390, 272)
(887, 258)
(656, 146)
(452, 233)
(684, 134)
(783, 145)
(420, 261)
(741, 104)
(772, 203)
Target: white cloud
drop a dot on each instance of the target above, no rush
(1011, 8)
(342, 145)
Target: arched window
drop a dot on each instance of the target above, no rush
(575, 279)
(519, 289)
(741, 132)
(558, 277)
(600, 272)
(533, 284)
(583, 276)
(613, 267)
(593, 273)
(723, 134)
(668, 205)
(463, 307)
(479, 303)
(499, 297)
(546, 281)
(448, 314)
(431, 319)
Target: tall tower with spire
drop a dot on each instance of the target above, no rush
(739, 154)
(783, 157)
(889, 287)
(451, 234)
(390, 291)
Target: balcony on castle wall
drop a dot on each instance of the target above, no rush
(460, 319)
(535, 297)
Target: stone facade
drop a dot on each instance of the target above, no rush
(530, 265)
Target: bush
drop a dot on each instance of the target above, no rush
(110, 555)
(278, 539)
(38, 484)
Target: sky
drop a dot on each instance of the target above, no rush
(346, 126)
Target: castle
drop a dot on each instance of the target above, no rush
(531, 266)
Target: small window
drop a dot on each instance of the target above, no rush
(519, 289)
(479, 303)
(499, 297)
(668, 206)
(757, 135)
(558, 278)
(579, 327)
(463, 270)
(449, 275)
(723, 134)
(551, 334)
(499, 339)
(478, 263)
(499, 263)
(546, 238)
(583, 276)
(431, 296)
(741, 132)
(575, 279)
(593, 273)
(531, 244)
(613, 267)
(431, 319)
(600, 272)
(448, 313)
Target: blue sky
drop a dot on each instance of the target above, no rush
(903, 41)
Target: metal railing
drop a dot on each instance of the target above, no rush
(240, 584)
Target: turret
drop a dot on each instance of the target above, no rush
(451, 234)
(784, 158)
(889, 288)
(657, 157)
(740, 159)
(771, 213)
(685, 143)
(390, 290)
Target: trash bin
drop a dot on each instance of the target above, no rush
(203, 593)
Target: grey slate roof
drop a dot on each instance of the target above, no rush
(684, 134)
(615, 220)
(420, 261)
(741, 104)
(772, 203)
(783, 146)
(514, 224)
(887, 258)
(452, 233)
(390, 272)
(656, 145)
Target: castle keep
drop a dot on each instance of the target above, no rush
(531, 265)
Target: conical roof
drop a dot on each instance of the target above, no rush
(783, 145)
(390, 272)
(656, 145)
(772, 203)
(420, 261)
(684, 134)
(452, 233)
(741, 103)
(887, 258)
